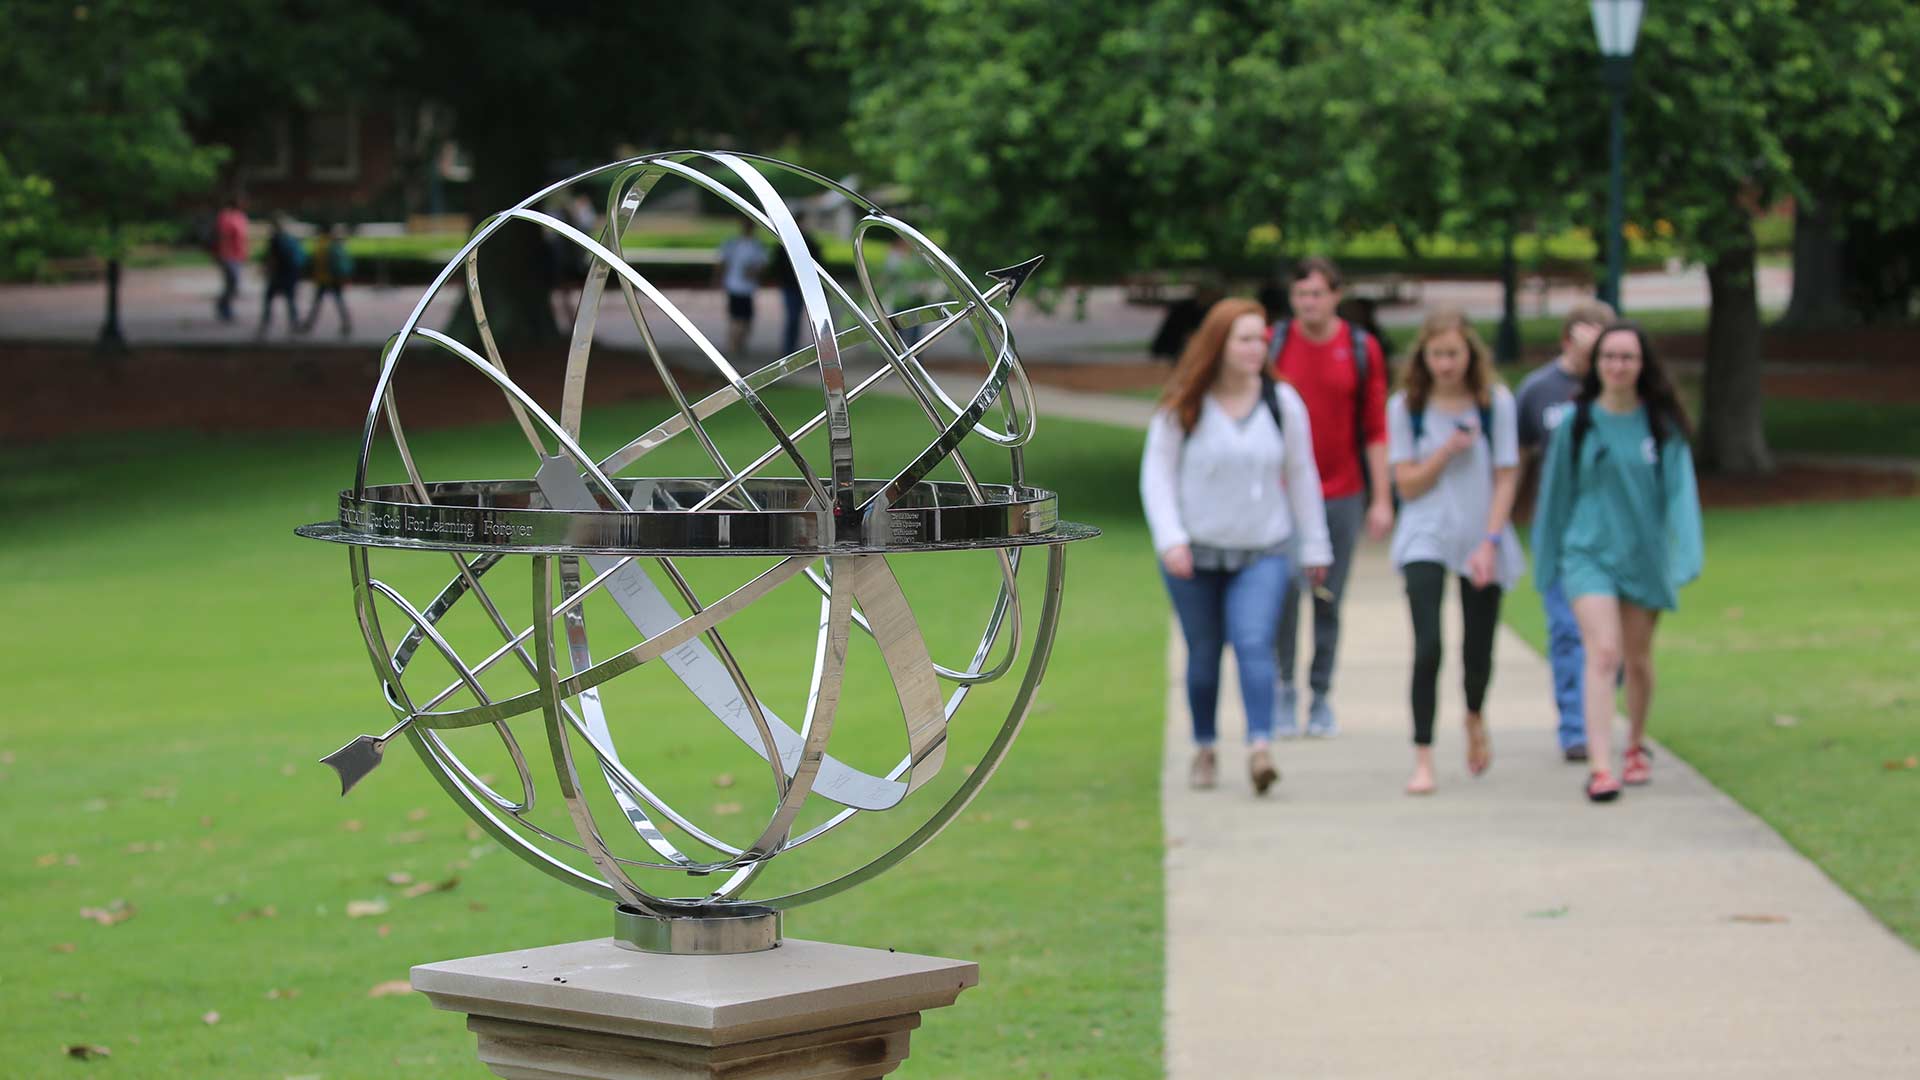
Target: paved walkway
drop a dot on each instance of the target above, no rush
(174, 306)
(1502, 927)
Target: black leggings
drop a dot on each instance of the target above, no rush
(1426, 581)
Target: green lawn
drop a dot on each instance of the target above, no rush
(1789, 679)
(177, 660)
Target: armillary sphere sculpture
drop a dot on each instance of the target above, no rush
(591, 528)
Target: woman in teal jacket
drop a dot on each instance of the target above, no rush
(1619, 527)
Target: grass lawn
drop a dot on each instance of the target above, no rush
(1789, 678)
(178, 660)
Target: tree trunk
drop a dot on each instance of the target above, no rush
(517, 267)
(1819, 273)
(1506, 347)
(1733, 430)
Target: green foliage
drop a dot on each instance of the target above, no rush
(92, 100)
(26, 217)
(1123, 137)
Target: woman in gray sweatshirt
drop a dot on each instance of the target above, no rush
(1229, 486)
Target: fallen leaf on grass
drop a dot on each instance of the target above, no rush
(418, 813)
(726, 809)
(724, 780)
(69, 995)
(1550, 913)
(277, 994)
(383, 930)
(209, 1018)
(390, 987)
(287, 769)
(1757, 918)
(1735, 612)
(94, 806)
(6, 757)
(206, 821)
(265, 911)
(159, 794)
(1895, 765)
(353, 825)
(411, 836)
(1021, 824)
(360, 909)
(399, 877)
(1784, 720)
(63, 947)
(425, 887)
(473, 832)
(118, 911)
(85, 1051)
(476, 906)
(142, 847)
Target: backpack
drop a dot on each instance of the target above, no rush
(1361, 361)
(1269, 393)
(1419, 422)
(339, 261)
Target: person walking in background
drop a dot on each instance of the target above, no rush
(737, 271)
(1453, 443)
(283, 262)
(1619, 529)
(332, 269)
(1229, 483)
(782, 275)
(1544, 399)
(1341, 375)
(230, 251)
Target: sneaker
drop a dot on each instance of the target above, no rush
(1260, 769)
(1205, 768)
(1638, 766)
(1602, 787)
(1575, 754)
(1320, 722)
(1286, 711)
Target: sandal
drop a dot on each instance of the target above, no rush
(1602, 787)
(1638, 766)
(1260, 769)
(1479, 745)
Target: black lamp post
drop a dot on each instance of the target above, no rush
(1617, 24)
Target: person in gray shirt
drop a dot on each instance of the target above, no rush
(1456, 462)
(1544, 399)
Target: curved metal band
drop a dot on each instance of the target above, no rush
(510, 516)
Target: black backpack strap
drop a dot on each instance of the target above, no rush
(1277, 343)
(1361, 364)
(1270, 393)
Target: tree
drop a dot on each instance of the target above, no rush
(535, 90)
(92, 100)
(1180, 127)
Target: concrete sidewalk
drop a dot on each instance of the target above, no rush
(1503, 927)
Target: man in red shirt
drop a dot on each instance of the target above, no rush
(1315, 353)
(230, 251)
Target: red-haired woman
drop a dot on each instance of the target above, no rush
(1229, 483)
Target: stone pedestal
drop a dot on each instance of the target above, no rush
(595, 1009)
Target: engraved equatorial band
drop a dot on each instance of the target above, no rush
(762, 516)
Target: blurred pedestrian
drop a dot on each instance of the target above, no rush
(737, 271)
(781, 273)
(1619, 528)
(332, 269)
(906, 282)
(1341, 375)
(1545, 398)
(1454, 447)
(1229, 485)
(284, 261)
(230, 252)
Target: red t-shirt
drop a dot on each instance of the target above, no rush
(1322, 372)
(230, 236)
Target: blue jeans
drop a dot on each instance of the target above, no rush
(1569, 665)
(1241, 608)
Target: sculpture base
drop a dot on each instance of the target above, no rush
(739, 930)
(599, 1009)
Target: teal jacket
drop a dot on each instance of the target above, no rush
(1631, 507)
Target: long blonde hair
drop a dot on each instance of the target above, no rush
(1200, 361)
(1416, 380)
